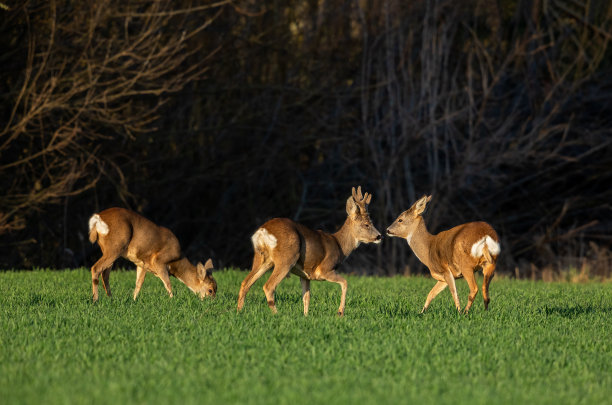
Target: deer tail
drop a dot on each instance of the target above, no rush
(96, 225)
(487, 254)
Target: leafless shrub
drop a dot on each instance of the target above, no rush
(496, 129)
(86, 79)
(500, 109)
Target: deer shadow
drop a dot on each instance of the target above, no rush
(574, 311)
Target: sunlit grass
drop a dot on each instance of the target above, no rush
(538, 343)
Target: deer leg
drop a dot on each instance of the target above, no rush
(106, 261)
(440, 285)
(488, 271)
(165, 278)
(161, 270)
(259, 268)
(140, 276)
(469, 277)
(338, 279)
(106, 280)
(305, 294)
(450, 280)
(278, 274)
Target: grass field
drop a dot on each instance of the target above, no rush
(538, 343)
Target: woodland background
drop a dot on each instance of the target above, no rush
(212, 117)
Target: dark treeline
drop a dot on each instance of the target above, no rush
(210, 118)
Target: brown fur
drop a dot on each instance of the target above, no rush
(447, 255)
(151, 248)
(312, 255)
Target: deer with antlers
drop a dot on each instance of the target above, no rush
(124, 233)
(287, 246)
(451, 254)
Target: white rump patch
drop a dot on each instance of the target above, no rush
(479, 246)
(100, 225)
(263, 238)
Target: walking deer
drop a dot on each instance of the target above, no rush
(312, 255)
(451, 254)
(124, 233)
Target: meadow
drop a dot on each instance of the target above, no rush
(539, 343)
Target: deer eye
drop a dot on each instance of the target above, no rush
(366, 225)
(400, 220)
(210, 291)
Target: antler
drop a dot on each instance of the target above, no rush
(362, 200)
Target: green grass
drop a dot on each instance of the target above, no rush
(538, 343)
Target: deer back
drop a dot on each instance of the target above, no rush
(134, 237)
(283, 239)
(464, 244)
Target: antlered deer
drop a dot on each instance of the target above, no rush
(121, 232)
(451, 254)
(312, 255)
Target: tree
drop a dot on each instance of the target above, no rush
(82, 75)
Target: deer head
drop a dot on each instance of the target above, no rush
(407, 222)
(361, 225)
(206, 286)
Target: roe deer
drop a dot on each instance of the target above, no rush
(312, 255)
(451, 254)
(121, 232)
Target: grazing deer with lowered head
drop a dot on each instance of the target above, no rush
(312, 255)
(451, 254)
(153, 248)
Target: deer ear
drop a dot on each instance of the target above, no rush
(200, 271)
(420, 205)
(351, 207)
(204, 270)
(208, 267)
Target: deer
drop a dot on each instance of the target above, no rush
(124, 233)
(288, 246)
(451, 254)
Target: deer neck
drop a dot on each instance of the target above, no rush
(184, 271)
(345, 238)
(420, 242)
